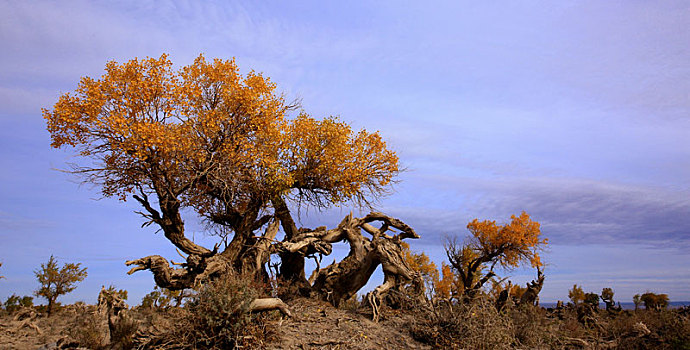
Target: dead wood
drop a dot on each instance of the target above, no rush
(269, 304)
(531, 295)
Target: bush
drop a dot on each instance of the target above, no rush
(532, 327)
(217, 317)
(89, 331)
(473, 325)
(15, 302)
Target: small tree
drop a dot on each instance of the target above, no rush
(637, 301)
(607, 297)
(654, 301)
(508, 246)
(592, 299)
(576, 295)
(56, 282)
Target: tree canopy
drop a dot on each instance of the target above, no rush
(212, 139)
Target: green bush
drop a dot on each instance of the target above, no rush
(15, 302)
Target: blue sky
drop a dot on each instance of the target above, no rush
(574, 111)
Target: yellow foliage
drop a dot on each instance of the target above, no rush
(517, 241)
(444, 286)
(576, 295)
(144, 124)
(516, 291)
(420, 262)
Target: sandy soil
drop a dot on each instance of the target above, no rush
(314, 325)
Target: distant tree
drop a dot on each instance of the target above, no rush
(420, 263)
(576, 295)
(607, 297)
(654, 301)
(162, 298)
(637, 301)
(592, 299)
(1, 277)
(491, 245)
(57, 281)
(154, 299)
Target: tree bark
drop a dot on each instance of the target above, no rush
(340, 281)
(531, 295)
(292, 263)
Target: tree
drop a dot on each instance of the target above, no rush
(607, 297)
(654, 301)
(637, 301)
(1, 277)
(507, 246)
(592, 299)
(420, 263)
(449, 285)
(576, 295)
(226, 146)
(57, 281)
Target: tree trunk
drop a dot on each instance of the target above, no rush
(292, 263)
(531, 295)
(51, 303)
(247, 253)
(340, 281)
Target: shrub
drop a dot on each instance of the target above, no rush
(472, 325)
(89, 331)
(532, 328)
(217, 317)
(15, 302)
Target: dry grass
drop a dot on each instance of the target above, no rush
(478, 325)
(472, 325)
(217, 318)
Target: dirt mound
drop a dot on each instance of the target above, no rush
(318, 325)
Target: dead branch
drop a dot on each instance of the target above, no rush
(269, 304)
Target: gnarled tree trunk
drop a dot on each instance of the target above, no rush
(248, 254)
(340, 281)
(531, 295)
